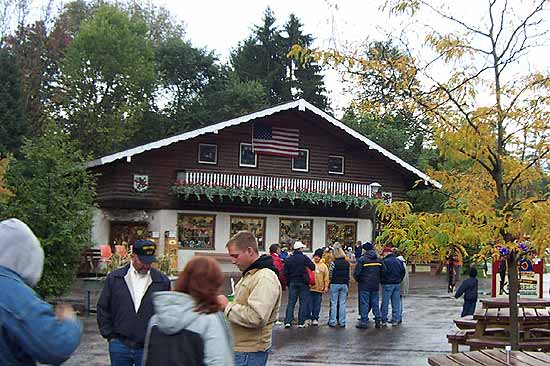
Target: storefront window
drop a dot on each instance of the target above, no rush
(291, 230)
(344, 232)
(256, 225)
(196, 231)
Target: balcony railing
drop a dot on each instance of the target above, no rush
(285, 184)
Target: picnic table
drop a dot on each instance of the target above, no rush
(500, 317)
(493, 357)
(504, 302)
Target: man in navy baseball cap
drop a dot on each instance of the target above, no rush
(145, 250)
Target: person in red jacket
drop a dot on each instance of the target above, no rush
(274, 250)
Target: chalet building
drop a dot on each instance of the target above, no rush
(286, 173)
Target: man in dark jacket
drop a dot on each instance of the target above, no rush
(394, 272)
(298, 284)
(126, 305)
(469, 289)
(367, 274)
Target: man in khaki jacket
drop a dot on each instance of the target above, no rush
(255, 308)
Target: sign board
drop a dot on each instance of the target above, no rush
(530, 278)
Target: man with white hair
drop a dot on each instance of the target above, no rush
(298, 284)
(30, 331)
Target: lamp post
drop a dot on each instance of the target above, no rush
(375, 190)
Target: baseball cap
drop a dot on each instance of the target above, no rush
(299, 245)
(145, 250)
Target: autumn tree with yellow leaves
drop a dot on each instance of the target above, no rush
(476, 81)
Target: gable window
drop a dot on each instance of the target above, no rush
(300, 163)
(208, 154)
(247, 157)
(336, 164)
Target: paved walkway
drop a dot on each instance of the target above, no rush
(429, 314)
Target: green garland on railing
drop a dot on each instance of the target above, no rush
(266, 195)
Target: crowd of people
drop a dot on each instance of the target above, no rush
(147, 323)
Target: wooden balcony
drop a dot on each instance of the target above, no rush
(273, 183)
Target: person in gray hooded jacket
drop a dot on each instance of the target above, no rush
(30, 331)
(188, 327)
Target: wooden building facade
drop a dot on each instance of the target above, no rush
(197, 188)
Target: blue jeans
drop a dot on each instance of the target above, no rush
(251, 358)
(391, 293)
(122, 355)
(369, 301)
(469, 307)
(297, 290)
(338, 294)
(315, 299)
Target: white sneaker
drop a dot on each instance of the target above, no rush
(315, 323)
(278, 322)
(302, 325)
(287, 325)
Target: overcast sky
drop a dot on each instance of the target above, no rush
(220, 25)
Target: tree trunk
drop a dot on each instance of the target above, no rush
(513, 284)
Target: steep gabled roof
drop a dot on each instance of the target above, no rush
(301, 105)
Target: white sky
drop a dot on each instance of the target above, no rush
(220, 25)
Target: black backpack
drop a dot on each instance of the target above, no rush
(185, 348)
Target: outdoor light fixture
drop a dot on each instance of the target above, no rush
(375, 189)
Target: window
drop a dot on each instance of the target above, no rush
(300, 163)
(344, 232)
(196, 231)
(247, 157)
(335, 164)
(291, 230)
(208, 154)
(256, 225)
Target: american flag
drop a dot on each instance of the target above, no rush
(278, 141)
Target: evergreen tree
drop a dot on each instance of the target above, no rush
(54, 195)
(304, 78)
(263, 57)
(12, 121)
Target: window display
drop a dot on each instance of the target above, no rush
(344, 232)
(256, 225)
(196, 231)
(291, 230)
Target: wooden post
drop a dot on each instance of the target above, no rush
(513, 296)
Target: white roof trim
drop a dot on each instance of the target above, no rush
(301, 104)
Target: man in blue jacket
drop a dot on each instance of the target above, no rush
(298, 284)
(126, 304)
(468, 288)
(394, 272)
(367, 273)
(30, 332)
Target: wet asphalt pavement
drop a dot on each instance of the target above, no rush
(428, 316)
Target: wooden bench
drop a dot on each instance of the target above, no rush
(460, 336)
(466, 322)
(532, 344)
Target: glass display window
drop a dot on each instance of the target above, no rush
(256, 225)
(291, 230)
(344, 232)
(196, 231)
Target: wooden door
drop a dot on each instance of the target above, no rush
(127, 233)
